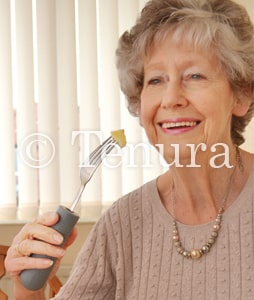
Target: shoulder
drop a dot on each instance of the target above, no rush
(126, 214)
(134, 201)
(127, 210)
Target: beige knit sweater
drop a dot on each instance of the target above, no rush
(129, 254)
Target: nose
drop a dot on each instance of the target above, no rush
(174, 97)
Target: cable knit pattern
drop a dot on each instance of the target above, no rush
(129, 254)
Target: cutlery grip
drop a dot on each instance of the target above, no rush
(35, 279)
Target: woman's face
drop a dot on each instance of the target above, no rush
(186, 98)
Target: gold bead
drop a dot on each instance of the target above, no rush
(195, 254)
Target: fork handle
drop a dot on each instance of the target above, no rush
(35, 279)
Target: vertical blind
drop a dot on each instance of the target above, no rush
(60, 94)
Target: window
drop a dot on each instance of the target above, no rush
(58, 77)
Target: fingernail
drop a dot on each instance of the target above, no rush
(58, 238)
(48, 262)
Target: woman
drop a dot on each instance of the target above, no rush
(187, 70)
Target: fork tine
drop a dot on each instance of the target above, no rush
(96, 156)
(94, 160)
(98, 148)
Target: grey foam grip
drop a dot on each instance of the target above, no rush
(35, 279)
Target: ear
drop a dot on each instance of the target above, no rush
(241, 106)
(242, 102)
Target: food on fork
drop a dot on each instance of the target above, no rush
(119, 136)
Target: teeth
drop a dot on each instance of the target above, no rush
(178, 124)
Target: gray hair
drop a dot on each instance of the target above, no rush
(223, 26)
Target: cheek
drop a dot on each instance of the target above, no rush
(218, 118)
(143, 111)
(148, 108)
(147, 115)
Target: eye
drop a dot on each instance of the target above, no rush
(196, 76)
(154, 81)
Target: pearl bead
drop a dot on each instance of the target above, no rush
(211, 241)
(195, 254)
(216, 227)
(175, 237)
(177, 244)
(205, 249)
(179, 250)
(214, 234)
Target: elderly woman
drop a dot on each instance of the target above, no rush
(187, 69)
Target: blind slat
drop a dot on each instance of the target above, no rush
(89, 109)
(132, 175)
(26, 111)
(67, 99)
(7, 154)
(47, 105)
(109, 96)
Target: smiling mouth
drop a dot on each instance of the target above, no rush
(182, 124)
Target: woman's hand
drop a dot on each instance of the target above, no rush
(35, 238)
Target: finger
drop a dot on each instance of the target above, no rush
(44, 233)
(15, 266)
(15, 262)
(48, 218)
(28, 247)
(40, 232)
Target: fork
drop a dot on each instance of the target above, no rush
(34, 279)
(90, 166)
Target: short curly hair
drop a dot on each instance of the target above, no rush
(222, 25)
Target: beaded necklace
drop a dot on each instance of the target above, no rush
(198, 253)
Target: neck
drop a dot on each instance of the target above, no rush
(201, 209)
(199, 192)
